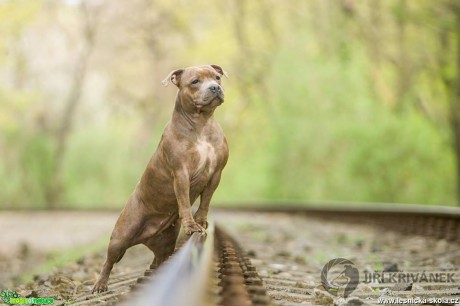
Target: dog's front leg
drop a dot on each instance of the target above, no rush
(182, 191)
(201, 214)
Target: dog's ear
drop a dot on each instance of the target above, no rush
(174, 77)
(219, 70)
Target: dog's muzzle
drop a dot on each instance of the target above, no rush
(215, 92)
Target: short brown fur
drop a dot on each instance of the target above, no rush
(187, 163)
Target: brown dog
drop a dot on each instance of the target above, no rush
(187, 163)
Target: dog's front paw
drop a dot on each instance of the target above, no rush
(99, 286)
(192, 227)
(202, 222)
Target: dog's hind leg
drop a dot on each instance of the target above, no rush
(125, 234)
(115, 252)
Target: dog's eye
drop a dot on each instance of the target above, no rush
(217, 77)
(195, 81)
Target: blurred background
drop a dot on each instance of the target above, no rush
(327, 100)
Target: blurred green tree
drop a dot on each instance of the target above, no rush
(327, 100)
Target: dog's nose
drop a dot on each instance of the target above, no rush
(214, 88)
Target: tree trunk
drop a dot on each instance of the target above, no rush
(403, 64)
(455, 106)
(55, 186)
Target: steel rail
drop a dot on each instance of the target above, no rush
(346, 208)
(437, 221)
(183, 280)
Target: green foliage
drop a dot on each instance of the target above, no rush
(317, 104)
(100, 159)
(406, 160)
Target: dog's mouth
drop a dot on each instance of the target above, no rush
(208, 100)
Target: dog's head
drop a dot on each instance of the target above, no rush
(200, 87)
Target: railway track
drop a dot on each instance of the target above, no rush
(280, 257)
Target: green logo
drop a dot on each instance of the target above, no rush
(14, 298)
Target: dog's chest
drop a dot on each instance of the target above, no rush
(207, 157)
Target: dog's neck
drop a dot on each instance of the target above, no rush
(192, 119)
